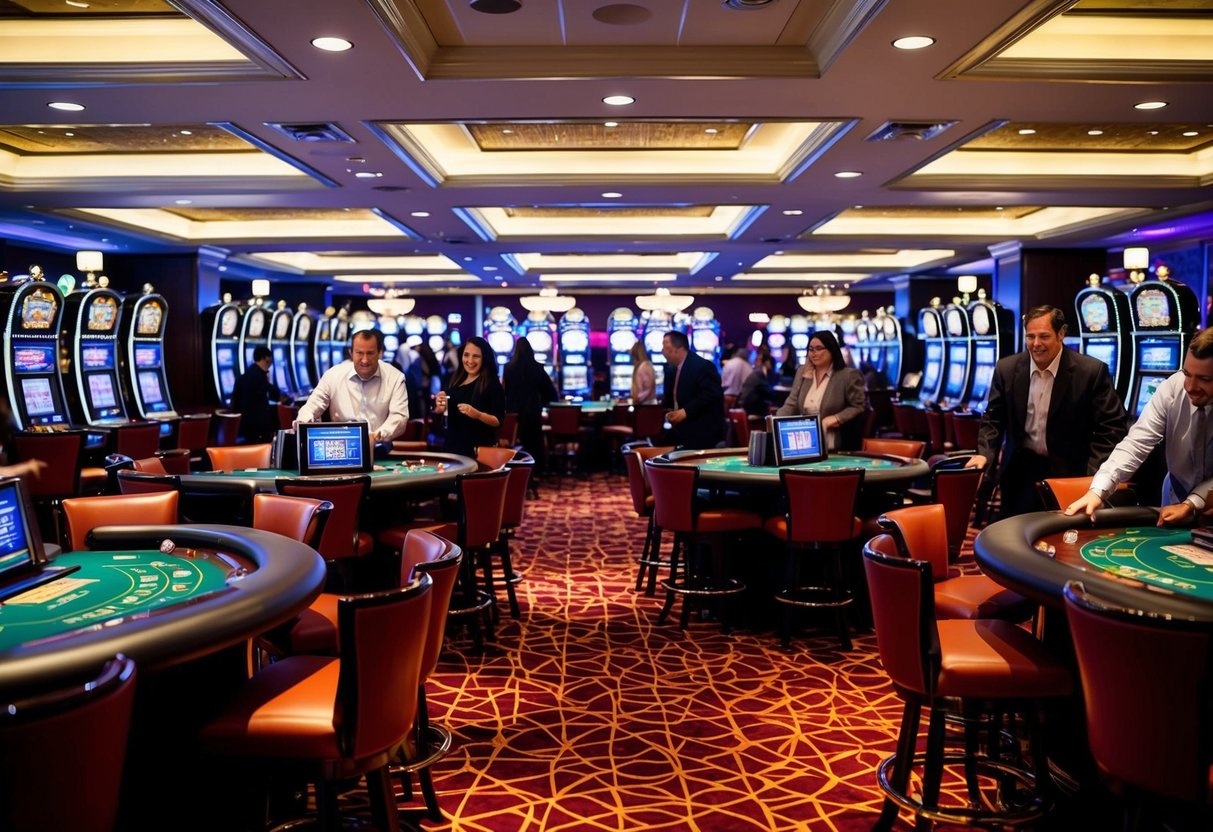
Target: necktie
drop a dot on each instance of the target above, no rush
(677, 375)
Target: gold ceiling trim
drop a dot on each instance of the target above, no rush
(1042, 224)
(609, 212)
(168, 225)
(205, 215)
(516, 136)
(1111, 137)
(44, 139)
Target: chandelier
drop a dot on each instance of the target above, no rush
(548, 300)
(823, 301)
(389, 302)
(662, 301)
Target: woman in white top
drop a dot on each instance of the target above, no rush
(644, 377)
(825, 386)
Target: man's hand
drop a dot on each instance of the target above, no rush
(375, 437)
(831, 423)
(1087, 504)
(976, 461)
(1177, 514)
(677, 417)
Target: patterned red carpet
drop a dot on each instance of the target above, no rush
(589, 716)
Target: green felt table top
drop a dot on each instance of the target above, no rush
(1157, 556)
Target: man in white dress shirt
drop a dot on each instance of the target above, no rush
(363, 389)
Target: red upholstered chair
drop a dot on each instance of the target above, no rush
(819, 521)
(740, 420)
(937, 429)
(60, 479)
(1058, 492)
(958, 666)
(227, 427)
(634, 456)
(343, 539)
(675, 508)
(648, 421)
(492, 458)
(149, 465)
(911, 421)
(237, 457)
(414, 437)
(176, 461)
(1147, 684)
(620, 431)
(75, 733)
(512, 515)
(299, 518)
(194, 434)
(911, 448)
(138, 440)
(87, 513)
(921, 533)
(286, 415)
(564, 435)
(965, 426)
(507, 436)
(956, 490)
(336, 719)
(138, 482)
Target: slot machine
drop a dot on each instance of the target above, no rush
(254, 332)
(622, 334)
(777, 339)
(499, 331)
(799, 328)
(655, 324)
(958, 355)
(280, 347)
(454, 333)
(303, 325)
(1105, 330)
(930, 331)
(849, 340)
(141, 362)
(339, 338)
(539, 329)
(32, 312)
(865, 346)
(413, 330)
(992, 328)
(90, 340)
(1165, 315)
(575, 353)
(435, 336)
(322, 359)
(705, 334)
(893, 347)
(389, 325)
(221, 329)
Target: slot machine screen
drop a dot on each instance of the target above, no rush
(621, 377)
(149, 387)
(540, 339)
(97, 357)
(1158, 355)
(705, 340)
(305, 378)
(576, 340)
(1095, 314)
(391, 343)
(1104, 349)
(225, 356)
(958, 365)
(280, 368)
(1145, 389)
(575, 377)
(101, 390)
(101, 315)
(932, 367)
(227, 381)
(983, 370)
(502, 342)
(622, 340)
(39, 401)
(337, 355)
(800, 341)
(147, 356)
(33, 358)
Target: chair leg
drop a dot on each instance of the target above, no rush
(840, 612)
(382, 800)
(902, 765)
(508, 568)
(645, 554)
(655, 555)
(326, 806)
(932, 774)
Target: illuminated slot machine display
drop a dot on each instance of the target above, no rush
(435, 336)
(141, 363)
(339, 338)
(221, 328)
(539, 329)
(758, 336)
(654, 325)
(254, 332)
(280, 348)
(850, 339)
(1105, 330)
(1165, 314)
(777, 338)
(958, 360)
(575, 353)
(798, 339)
(865, 346)
(321, 358)
(454, 330)
(303, 328)
(622, 332)
(499, 331)
(705, 334)
(389, 325)
(930, 330)
(90, 337)
(992, 332)
(413, 331)
(32, 312)
(892, 340)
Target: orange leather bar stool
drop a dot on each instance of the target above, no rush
(236, 457)
(342, 541)
(87, 513)
(299, 518)
(635, 454)
(956, 490)
(912, 448)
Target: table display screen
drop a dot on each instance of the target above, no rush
(798, 439)
(15, 549)
(39, 401)
(1158, 354)
(147, 355)
(334, 448)
(101, 390)
(1104, 349)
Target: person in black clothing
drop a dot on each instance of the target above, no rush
(424, 377)
(756, 393)
(692, 395)
(475, 402)
(528, 388)
(254, 397)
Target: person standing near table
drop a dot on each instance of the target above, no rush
(734, 371)
(828, 388)
(1178, 414)
(475, 402)
(1055, 409)
(644, 376)
(528, 389)
(255, 398)
(362, 389)
(693, 397)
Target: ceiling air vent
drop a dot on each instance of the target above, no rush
(746, 4)
(921, 130)
(318, 132)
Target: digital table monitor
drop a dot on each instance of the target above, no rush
(334, 448)
(17, 548)
(797, 439)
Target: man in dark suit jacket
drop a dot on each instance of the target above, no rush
(1055, 408)
(255, 397)
(692, 395)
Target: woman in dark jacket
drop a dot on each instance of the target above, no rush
(528, 388)
(828, 388)
(475, 402)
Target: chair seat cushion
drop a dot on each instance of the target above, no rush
(315, 631)
(393, 538)
(727, 520)
(285, 711)
(778, 527)
(92, 479)
(978, 596)
(994, 659)
(618, 430)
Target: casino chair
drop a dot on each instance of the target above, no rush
(512, 515)
(299, 518)
(87, 513)
(193, 434)
(141, 482)
(819, 522)
(977, 669)
(564, 433)
(413, 439)
(62, 752)
(676, 509)
(492, 458)
(175, 461)
(1147, 683)
(343, 540)
(648, 421)
(956, 490)
(239, 457)
(966, 426)
(921, 533)
(62, 477)
(227, 428)
(1058, 492)
(911, 448)
(911, 421)
(740, 420)
(635, 454)
(286, 415)
(507, 437)
(336, 719)
(937, 430)
(138, 440)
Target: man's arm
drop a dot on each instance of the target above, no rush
(791, 405)
(397, 411)
(993, 426)
(1146, 433)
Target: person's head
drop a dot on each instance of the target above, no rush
(639, 353)
(1198, 369)
(674, 346)
(524, 353)
(477, 361)
(824, 351)
(263, 357)
(366, 349)
(1043, 329)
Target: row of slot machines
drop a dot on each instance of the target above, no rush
(411, 330)
(961, 344)
(92, 359)
(786, 336)
(625, 327)
(878, 341)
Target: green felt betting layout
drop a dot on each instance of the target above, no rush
(107, 586)
(382, 469)
(738, 464)
(1161, 557)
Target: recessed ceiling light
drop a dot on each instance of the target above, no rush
(506, 131)
(711, 131)
(848, 174)
(186, 132)
(611, 195)
(77, 3)
(1094, 132)
(619, 100)
(719, 278)
(793, 212)
(183, 201)
(1190, 133)
(1027, 131)
(331, 44)
(610, 124)
(490, 268)
(420, 214)
(999, 208)
(368, 174)
(69, 134)
(467, 259)
(914, 42)
(1152, 132)
(68, 106)
(1150, 105)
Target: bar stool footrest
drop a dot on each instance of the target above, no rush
(823, 597)
(438, 744)
(728, 586)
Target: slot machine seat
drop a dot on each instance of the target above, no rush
(227, 428)
(138, 440)
(564, 434)
(965, 426)
(193, 435)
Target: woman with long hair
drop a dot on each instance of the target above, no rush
(528, 387)
(475, 402)
(644, 376)
(825, 386)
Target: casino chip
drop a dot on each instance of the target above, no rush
(167, 546)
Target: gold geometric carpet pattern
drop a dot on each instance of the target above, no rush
(587, 715)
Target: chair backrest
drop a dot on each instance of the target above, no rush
(286, 415)
(61, 452)
(965, 426)
(621, 414)
(912, 448)
(425, 553)
(507, 437)
(921, 533)
(176, 461)
(903, 612)
(911, 421)
(821, 503)
(638, 486)
(150, 465)
(87, 513)
(646, 453)
(138, 482)
(956, 490)
(1147, 684)
(1059, 492)
(564, 419)
(515, 494)
(740, 420)
(137, 440)
(382, 639)
(227, 427)
(194, 431)
(73, 734)
(235, 457)
(673, 488)
(299, 518)
(481, 507)
(648, 420)
(347, 495)
(936, 430)
(492, 457)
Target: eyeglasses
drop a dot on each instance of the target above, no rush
(817, 349)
